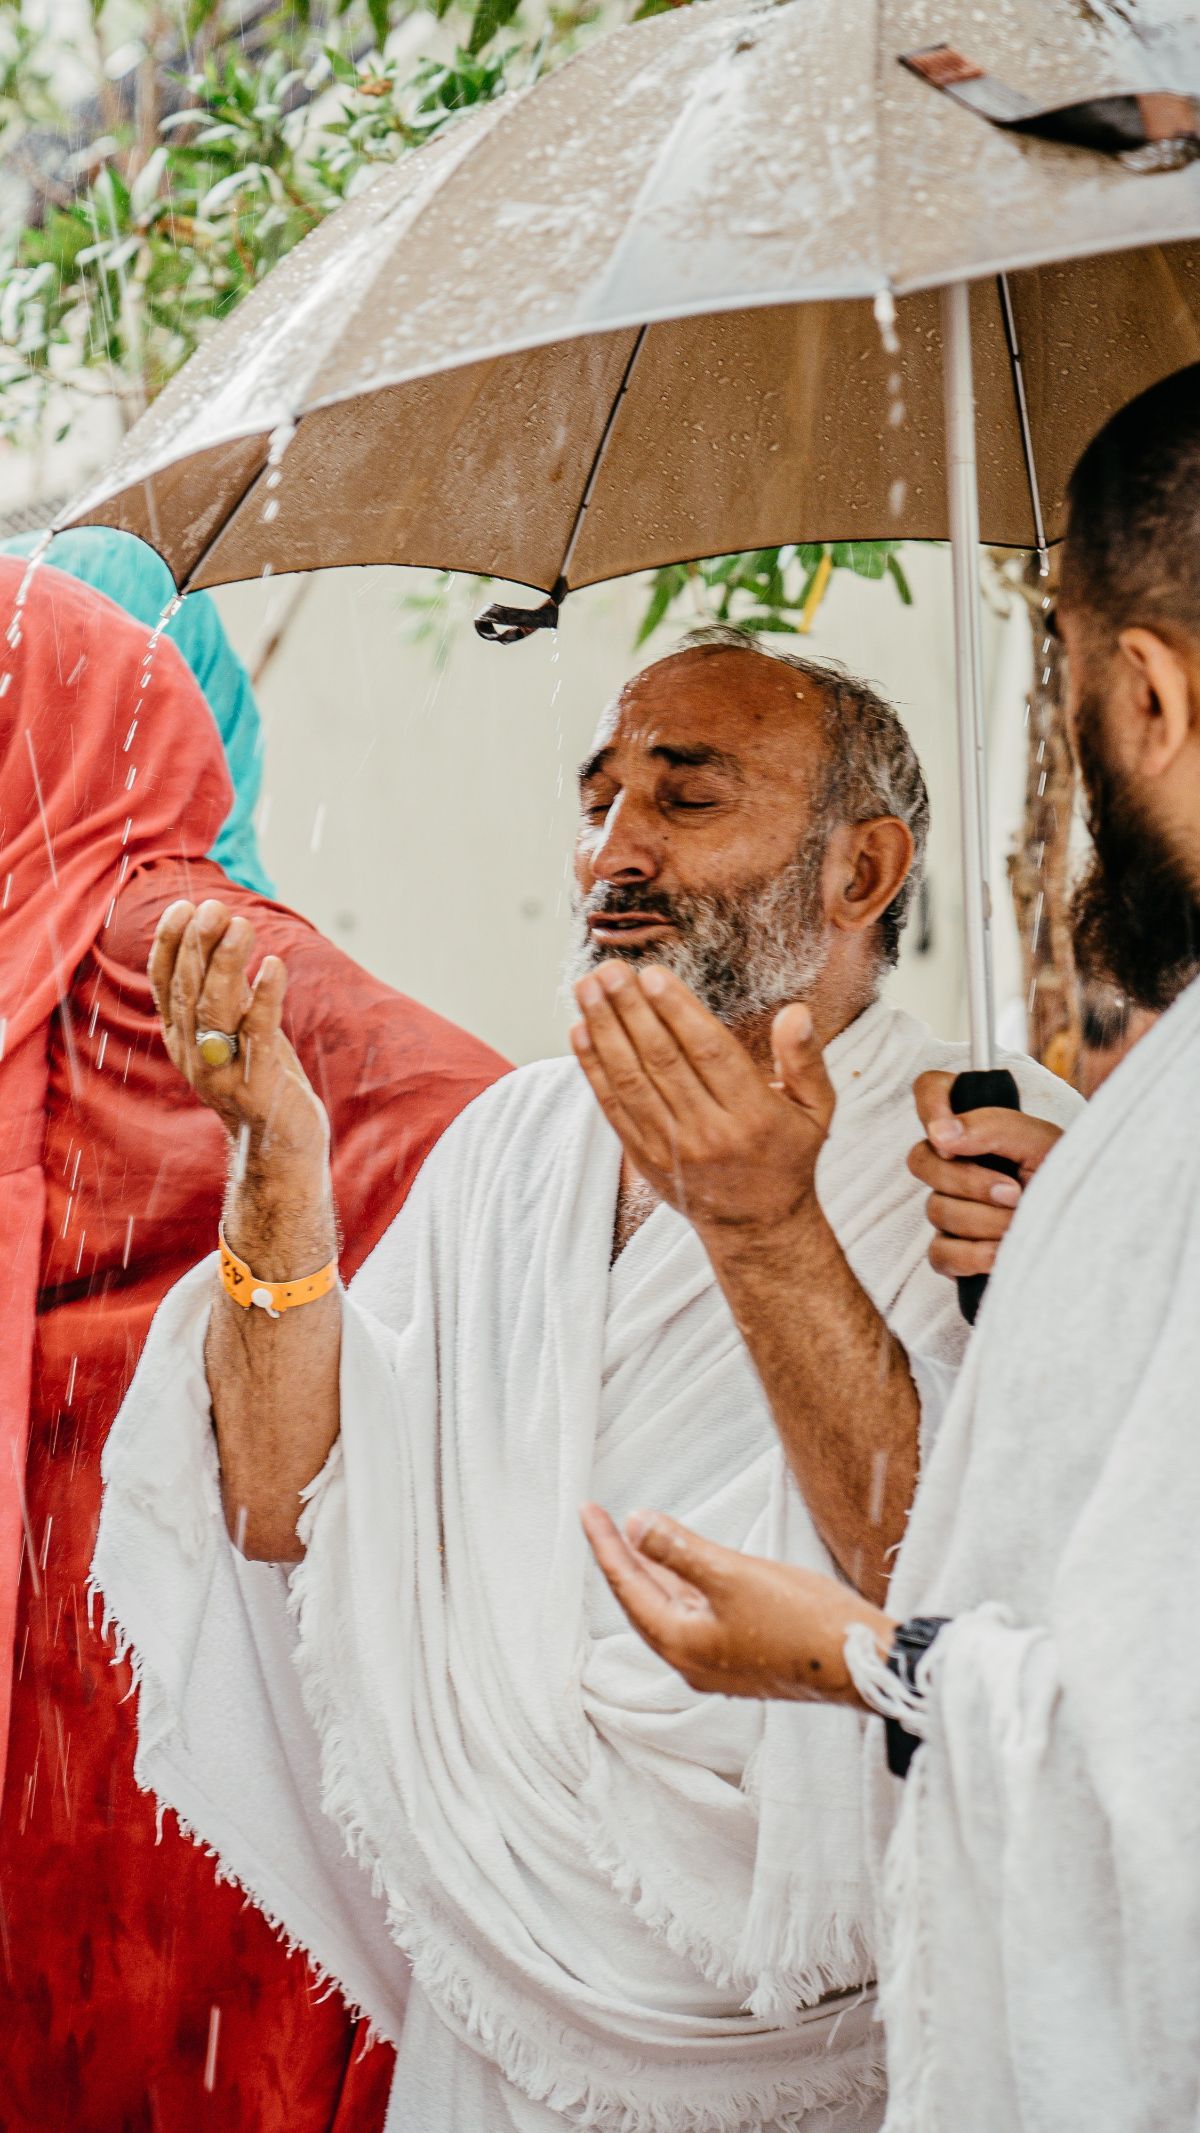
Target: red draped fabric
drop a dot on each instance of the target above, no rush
(138, 1994)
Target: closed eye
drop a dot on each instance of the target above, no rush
(596, 798)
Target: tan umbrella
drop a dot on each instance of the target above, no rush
(705, 288)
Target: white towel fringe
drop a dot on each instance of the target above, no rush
(809, 1964)
(904, 1994)
(554, 2067)
(653, 1909)
(325, 1981)
(549, 2070)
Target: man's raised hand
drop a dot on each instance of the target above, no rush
(971, 1208)
(199, 972)
(697, 1118)
(731, 1624)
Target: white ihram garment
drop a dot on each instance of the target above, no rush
(1042, 1969)
(624, 1900)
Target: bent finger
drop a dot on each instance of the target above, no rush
(645, 1150)
(720, 1063)
(700, 1562)
(623, 1070)
(164, 948)
(262, 1020)
(187, 978)
(953, 1257)
(967, 1219)
(1016, 1135)
(224, 996)
(961, 1181)
(663, 1059)
(931, 1093)
(630, 1580)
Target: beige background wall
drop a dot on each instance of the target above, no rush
(421, 811)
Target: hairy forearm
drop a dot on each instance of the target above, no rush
(837, 1380)
(274, 1381)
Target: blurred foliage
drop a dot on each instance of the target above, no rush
(219, 134)
(769, 589)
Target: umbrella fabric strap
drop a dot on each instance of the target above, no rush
(273, 1297)
(509, 625)
(1156, 129)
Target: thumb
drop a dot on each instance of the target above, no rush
(800, 1063)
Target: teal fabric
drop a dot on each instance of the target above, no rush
(138, 580)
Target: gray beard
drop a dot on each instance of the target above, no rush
(743, 954)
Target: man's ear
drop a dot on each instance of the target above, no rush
(1160, 713)
(869, 863)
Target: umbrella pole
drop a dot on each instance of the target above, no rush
(963, 491)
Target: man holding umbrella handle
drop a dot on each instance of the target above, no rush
(1041, 1956)
(970, 1209)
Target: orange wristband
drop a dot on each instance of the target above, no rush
(273, 1297)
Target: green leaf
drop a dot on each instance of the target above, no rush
(867, 559)
(666, 587)
(226, 189)
(198, 14)
(342, 69)
(380, 20)
(721, 569)
(146, 185)
(489, 17)
(896, 574)
(809, 581)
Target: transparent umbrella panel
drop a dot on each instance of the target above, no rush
(706, 210)
(732, 277)
(740, 429)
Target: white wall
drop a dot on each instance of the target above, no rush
(422, 814)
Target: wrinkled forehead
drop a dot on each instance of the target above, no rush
(744, 713)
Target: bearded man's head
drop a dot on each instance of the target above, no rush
(1130, 612)
(747, 819)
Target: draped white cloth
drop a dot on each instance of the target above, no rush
(1042, 1965)
(633, 1901)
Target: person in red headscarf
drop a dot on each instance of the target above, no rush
(140, 1996)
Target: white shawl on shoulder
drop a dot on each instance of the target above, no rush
(633, 1899)
(1042, 1968)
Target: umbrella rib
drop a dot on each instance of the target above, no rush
(561, 587)
(1022, 404)
(223, 528)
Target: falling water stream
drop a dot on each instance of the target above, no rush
(885, 319)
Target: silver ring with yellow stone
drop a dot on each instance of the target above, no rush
(217, 1047)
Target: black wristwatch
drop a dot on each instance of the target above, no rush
(909, 1646)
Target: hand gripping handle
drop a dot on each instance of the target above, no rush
(987, 1088)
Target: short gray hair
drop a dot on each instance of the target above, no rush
(872, 767)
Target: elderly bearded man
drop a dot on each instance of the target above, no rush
(581, 1858)
(1041, 1971)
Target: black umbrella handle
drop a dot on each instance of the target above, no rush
(512, 625)
(993, 1089)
